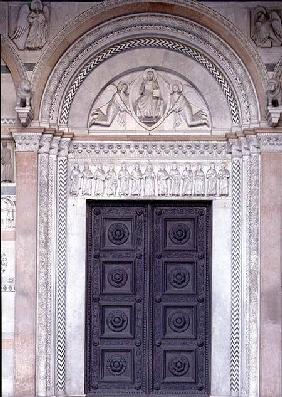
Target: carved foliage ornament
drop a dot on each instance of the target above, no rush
(150, 98)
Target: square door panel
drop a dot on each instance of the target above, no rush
(116, 366)
(179, 322)
(179, 366)
(117, 321)
(180, 234)
(117, 234)
(179, 277)
(118, 277)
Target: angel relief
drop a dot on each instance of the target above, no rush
(150, 99)
(31, 31)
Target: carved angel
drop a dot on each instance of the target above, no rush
(115, 106)
(182, 109)
(267, 28)
(32, 26)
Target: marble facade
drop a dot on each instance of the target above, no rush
(181, 101)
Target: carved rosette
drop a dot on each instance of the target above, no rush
(117, 278)
(116, 365)
(179, 365)
(118, 233)
(179, 277)
(117, 321)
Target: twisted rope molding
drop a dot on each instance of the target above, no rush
(151, 42)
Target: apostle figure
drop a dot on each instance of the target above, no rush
(6, 163)
(124, 178)
(149, 105)
(75, 180)
(111, 182)
(86, 183)
(149, 181)
(223, 181)
(181, 109)
(175, 180)
(136, 180)
(199, 181)
(116, 107)
(99, 180)
(211, 181)
(187, 181)
(163, 180)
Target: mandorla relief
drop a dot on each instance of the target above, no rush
(149, 99)
(149, 180)
(32, 26)
(266, 27)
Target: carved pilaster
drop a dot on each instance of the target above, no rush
(61, 264)
(236, 148)
(43, 271)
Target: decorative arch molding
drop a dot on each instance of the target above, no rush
(198, 14)
(12, 60)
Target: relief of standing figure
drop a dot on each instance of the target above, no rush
(199, 181)
(211, 181)
(149, 181)
(163, 179)
(6, 163)
(75, 180)
(86, 183)
(187, 181)
(175, 182)
(136, 181)
(99, 179)
(111, 182)
(124, 178)
(223, 181)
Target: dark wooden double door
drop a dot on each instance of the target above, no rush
(148, 299)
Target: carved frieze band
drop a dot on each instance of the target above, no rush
(151, 42)
(147, 179)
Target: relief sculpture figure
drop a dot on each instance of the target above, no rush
(32, 26)
(111, 182)
(149, 105)
(75, 180)
(136, 180)
(175, 180)
(163, 181)
(187, 181)
(181, 109)
(86, 183)
(274, 93)
(116, 108)
(211, 181)
(99, 180)
(223, 181)
(124, 179)
(149, 181)
(199, 181)
(6, 163)
(267, 27)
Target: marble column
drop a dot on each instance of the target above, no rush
(26, 225)
(271, 304)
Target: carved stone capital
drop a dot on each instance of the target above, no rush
(44, 144)
(25, 115)
(54, 146)
(27, 142)
(273, 115)
(64, 147)
(235, 147)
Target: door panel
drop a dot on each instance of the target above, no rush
(115, 358)
(147, 301)
(180, 299)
